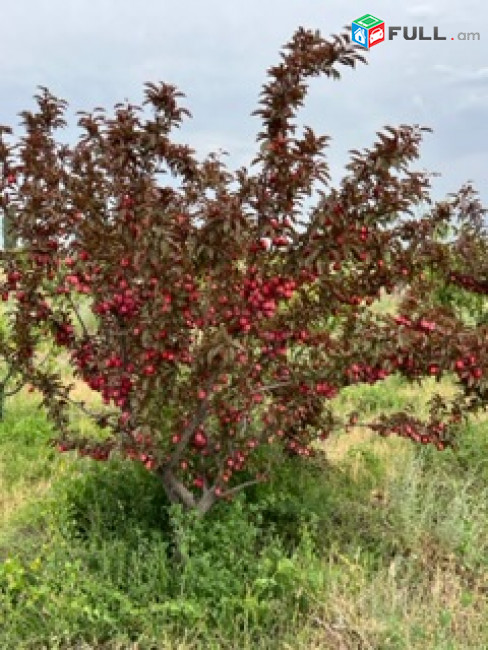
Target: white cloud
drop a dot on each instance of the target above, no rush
(458, 76)
(418, 101)
(473, 99)
(423, 11)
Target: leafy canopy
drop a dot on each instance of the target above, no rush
(227, 315)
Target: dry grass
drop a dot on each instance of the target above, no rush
(402, 609)
(12, 500)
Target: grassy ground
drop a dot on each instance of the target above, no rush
(379, 544)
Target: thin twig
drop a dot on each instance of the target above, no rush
(92, 414)
(78, 315)
(273, 386)
(13, 391)
(240, 487)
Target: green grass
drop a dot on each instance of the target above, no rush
(375, 544)
(379, 544)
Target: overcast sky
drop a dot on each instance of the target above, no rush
(217, 52)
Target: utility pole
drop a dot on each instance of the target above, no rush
(9, 239)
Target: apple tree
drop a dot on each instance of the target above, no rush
(211, 293)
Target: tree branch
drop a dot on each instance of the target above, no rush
(199, 417)
(240, 487)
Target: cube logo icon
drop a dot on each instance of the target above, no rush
(368, 31)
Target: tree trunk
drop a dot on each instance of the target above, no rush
(177, 493)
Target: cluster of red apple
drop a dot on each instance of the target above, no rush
(363, 372)
(467, 367)
(405, 426)
(468, 282)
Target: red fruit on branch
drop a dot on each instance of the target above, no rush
(200, 440)
(199, 482)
